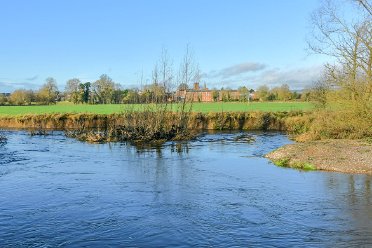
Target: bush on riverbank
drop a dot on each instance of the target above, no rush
(155, 124)
(151, 126)
(325, 124)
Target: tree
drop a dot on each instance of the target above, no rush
(21, 97)
(103, 90)
(73, 90)
(3, 99)
(153, 93)
(85, 89)
(161, 80)
(349, 42)
(262, 93)
(158, 92)
(320, 93)
(119, 94)
(132, 96)
(165, 70)
(225, 95)
(188, 71)
(215, 95)
(306, 95)
(183, 86)
(295, 95)
(48, 93)
(284, 94)
(244, 93)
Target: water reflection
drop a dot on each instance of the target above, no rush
(180, 147)
(352, 194)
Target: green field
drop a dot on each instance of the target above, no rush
(117, 108)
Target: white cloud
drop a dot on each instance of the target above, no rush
(297, 78)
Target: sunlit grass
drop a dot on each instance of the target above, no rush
(66, 107)
(286, 162)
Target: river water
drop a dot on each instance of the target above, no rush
(215, 191)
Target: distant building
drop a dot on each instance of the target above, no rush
(197, 94)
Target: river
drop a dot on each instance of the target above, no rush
(217, 190)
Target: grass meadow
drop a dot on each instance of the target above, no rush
(66, 107)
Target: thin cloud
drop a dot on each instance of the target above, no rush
(32, 78)
(11, 86)
(236, 70)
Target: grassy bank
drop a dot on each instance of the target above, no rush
(333, 131)
(333, 140)
(65, 107)
(330, 124)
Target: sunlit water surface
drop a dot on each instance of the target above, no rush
(215, 191)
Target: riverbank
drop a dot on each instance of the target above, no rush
(342, 155)
(275, 121)
(146, 126)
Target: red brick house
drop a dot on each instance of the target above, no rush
(196, 94)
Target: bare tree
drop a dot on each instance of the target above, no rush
(187, 68)
(366, 5)
(349, 42)
(166, 70)
(188, 72)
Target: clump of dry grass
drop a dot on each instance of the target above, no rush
(247, 120)
(325, 124)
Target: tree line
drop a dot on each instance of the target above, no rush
(106, 91)
(102, 91)
(47, 94)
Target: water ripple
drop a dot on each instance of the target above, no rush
(216, 190)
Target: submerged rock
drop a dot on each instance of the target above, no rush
(3, 139)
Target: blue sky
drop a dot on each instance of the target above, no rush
(247, 42)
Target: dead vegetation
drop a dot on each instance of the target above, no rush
(155, 126)
(323, 124)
